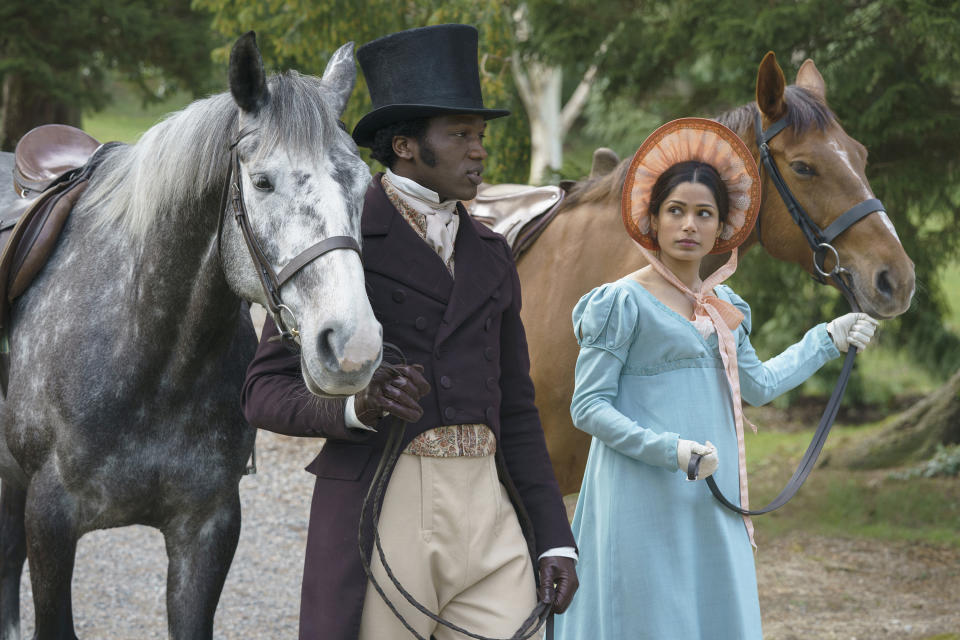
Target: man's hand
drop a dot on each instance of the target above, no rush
(388, 393)
(558, 582)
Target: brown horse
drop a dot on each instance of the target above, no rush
(586, 244)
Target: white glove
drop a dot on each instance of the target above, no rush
(852, 329)
(709, 462)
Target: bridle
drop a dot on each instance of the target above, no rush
(820, 241)
(270, 280)
(271, 283)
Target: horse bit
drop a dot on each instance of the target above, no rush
(820, 241)
(269, 279)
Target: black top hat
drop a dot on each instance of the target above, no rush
(421, 73)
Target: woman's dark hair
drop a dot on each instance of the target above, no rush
(382, 148)
(690, 171)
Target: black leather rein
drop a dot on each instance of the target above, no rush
(541, 615)
(820, 243)
(270, 280)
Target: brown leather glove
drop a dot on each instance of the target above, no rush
(559, 571)
(398, 395)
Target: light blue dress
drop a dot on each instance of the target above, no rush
(660, 558)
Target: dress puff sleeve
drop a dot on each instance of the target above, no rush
(761, 382)
(606, 325)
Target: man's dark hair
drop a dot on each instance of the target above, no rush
(382, 148)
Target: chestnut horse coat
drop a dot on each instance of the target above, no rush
(467, 334)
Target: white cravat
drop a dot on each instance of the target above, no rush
(442, 219)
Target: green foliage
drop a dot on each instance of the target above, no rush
(302, 34)
(68, 48)
(892, 71)
(126, 118)
(945, 462)
(837, 502)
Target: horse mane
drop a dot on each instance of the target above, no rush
(181, 161)
(804, 112)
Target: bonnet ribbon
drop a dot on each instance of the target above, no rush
(724, 317)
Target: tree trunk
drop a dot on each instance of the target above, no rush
(913, 436)
(542, 103)
(25, 106)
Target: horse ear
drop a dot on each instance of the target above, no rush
(770, 87)
(340, 76)
(604, 161)
(248, 83)
(810, 79)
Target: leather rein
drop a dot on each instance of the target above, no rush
(270, 280)
(541, 615)
(820, 241)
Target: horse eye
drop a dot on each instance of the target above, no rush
(262, 183)
(802, 168)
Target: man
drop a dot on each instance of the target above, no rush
(474, 462)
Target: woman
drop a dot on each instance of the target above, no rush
(664, 359)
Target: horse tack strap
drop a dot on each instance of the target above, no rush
(818, 240)
(310, 254)
(809, 460)
(850, 217)
(270, 281)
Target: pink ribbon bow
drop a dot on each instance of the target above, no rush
(724, 317)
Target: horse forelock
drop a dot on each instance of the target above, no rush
(180, 162)
(805, 111)
(297, 117)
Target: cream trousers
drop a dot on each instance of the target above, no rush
(453, 541)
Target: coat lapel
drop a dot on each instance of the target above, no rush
(393, 249)
(480, 267)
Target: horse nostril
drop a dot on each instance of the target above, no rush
(883, 284)
(325, 346)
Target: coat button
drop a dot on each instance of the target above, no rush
(399, 295)
(421, 323)
(446, 382)
(491, 414)
(488, 353)
(491, 383)
(449, 413)
(495, 295)
(486, 325)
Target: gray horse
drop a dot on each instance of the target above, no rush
(129, 350)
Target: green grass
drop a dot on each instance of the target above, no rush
(950, 277)
(836, 501)
(126, 118)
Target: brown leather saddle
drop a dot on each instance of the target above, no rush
(518, 212)
(521, 212)
(52, 165)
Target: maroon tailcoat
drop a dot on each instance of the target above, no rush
(467, 334)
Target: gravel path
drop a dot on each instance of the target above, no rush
(810, 587)
(120, 575)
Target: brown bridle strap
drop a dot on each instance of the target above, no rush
(270, 281)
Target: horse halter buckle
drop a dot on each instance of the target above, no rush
(820, 240)
(271, 281)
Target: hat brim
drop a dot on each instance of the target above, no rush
(633, 202)
(367, 127)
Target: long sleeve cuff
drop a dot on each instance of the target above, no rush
(566, 552)
(350, 417)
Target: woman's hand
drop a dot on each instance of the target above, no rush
(852, 329)
(708, 462)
